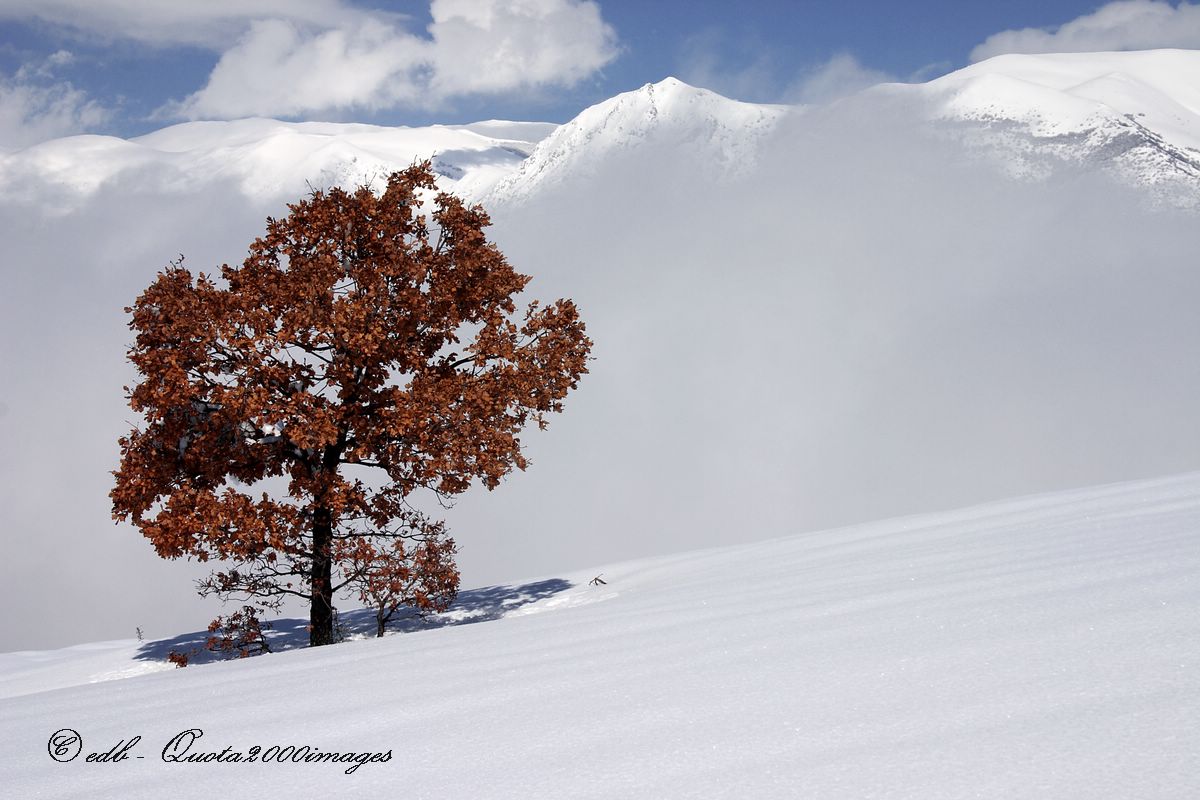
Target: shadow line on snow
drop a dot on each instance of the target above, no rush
(289, 633)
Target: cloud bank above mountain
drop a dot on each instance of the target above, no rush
(166, 23)
(752, 71)
(277, 69)
(1119, 25)
(842, 75)
(34, 106)
(321, 56)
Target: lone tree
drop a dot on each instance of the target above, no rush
(362, 353)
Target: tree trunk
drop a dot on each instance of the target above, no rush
(320, 617)
(320, 613)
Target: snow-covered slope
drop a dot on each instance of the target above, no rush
(719, 134)
(1042, 647)
(1135, 112)
(267, 157)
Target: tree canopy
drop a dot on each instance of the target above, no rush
(363, 354)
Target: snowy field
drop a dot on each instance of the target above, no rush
(1047, 647)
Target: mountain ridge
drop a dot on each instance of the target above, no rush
(721, 132)
(1134, 114)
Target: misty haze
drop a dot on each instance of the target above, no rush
(864, 316)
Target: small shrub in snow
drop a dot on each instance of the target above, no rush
(240, 634)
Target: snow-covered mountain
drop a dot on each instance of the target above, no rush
(719, 134)
(266, 158)
(1041, 647)
(1134, 113)
(490, 161)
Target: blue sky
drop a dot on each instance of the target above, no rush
(129, 66)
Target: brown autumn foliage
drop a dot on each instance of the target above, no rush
(241, 633)
(294, 406)
(419, 573)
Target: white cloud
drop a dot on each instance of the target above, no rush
(285, 67)
(753, 72)
(743, 70)
(1121, 25)
(840, 76)
(211, 23)
(31, 113)
(34, 107)
(499, 45)
(292, 57)
(46, 67)
(281, 68)
(276, 69)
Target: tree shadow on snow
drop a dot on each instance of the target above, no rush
(291, 633)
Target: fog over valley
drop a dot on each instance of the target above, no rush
(865, 314)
